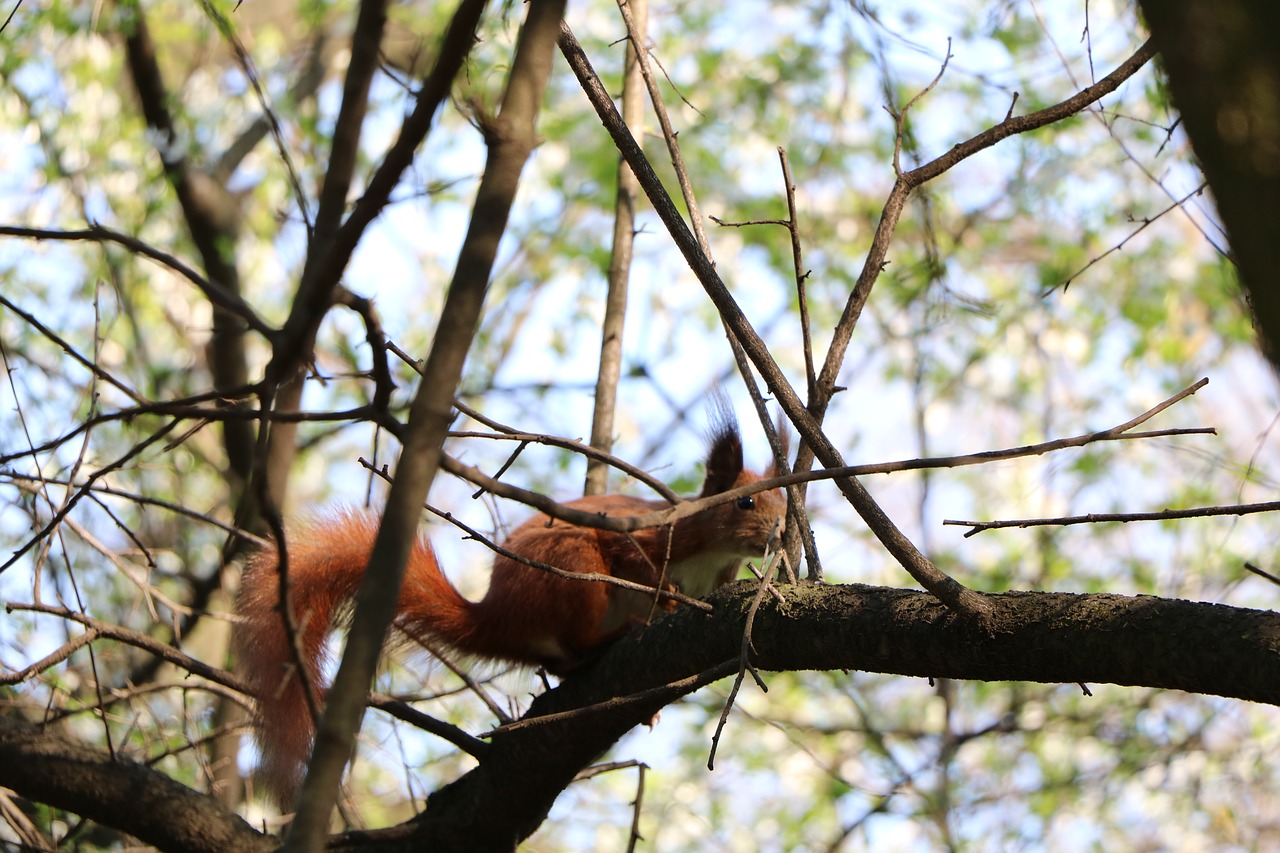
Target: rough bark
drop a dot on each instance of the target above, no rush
(1043, 637)
(1222, 62)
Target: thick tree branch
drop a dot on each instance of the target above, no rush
(43, 766)
(1046, 637)
(1222, 59)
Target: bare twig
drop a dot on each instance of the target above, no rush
(74, 496)
(799, 534)
(744, 665)
(607, 767)
(908, 181)
(576, 446)
(1262, 573)
(56, 657)
(90, 364)
(1134, 233)
(802, 275)
(189, 409)
(382, 383)
(900, 116)
(228, 32)
(636, 837)
(570, 444)
(215, 292)
(476, 688)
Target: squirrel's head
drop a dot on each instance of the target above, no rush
(747, 524)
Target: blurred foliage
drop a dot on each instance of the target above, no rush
(1050, 286)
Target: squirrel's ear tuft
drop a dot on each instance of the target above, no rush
(724, 454)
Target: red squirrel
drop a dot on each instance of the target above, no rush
(528, 616)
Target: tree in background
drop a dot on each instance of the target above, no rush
(258, 260)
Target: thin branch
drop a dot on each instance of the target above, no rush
(1262, 573)
(669, 135)
(144, 500)
(576, 446)
(802, 275)
(136, 691)
(1033, 121)
(51, 660)
(925, 572)
(187, 410)
(91, 365)
(335, 254)
(1134, 233)
(686, 507)
(745, 654)
(383, 385)
(445, 658)
(302, 89)
(896, 201)
(613, 324)
(636, 837)
(268, 113)
(1125, 517)
(217, 294)
(799, 534)
(663, 693)
(366, 41)
(405, 712)
(137, 639)
(74, 498)
(664, 121)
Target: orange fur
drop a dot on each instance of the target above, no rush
(528, 616)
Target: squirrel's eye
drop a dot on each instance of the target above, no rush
(747, 502)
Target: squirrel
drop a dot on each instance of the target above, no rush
(529, 616)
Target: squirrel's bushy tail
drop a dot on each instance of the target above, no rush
(327, 557)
